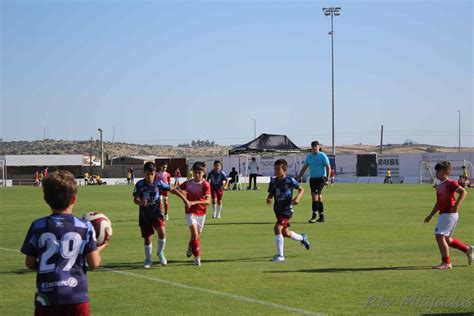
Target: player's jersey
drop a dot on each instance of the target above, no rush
(177, 174)
(151, 192)
(60, 242)
(282, 191)
(163, 176)
(445, 195)
(388, 173)
(317, 164)
(196, 191)
(216, 179)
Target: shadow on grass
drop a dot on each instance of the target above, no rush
(190, 261)
(344, 270)
(450, 314)
(212, 222)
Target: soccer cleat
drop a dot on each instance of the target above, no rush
(167, 217)
(163, 260)
(443, 266)
(218, 215)
(189, 252)
(147, 264)
(278, 258)
(197, 261)
(312, 220)
(213, 215)
(305, 241)
(469, 255)
(321, 219)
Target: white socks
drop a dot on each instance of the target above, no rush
(161, 246)
(279, 244)
(148, 251)
(296, 236)
(219, 208)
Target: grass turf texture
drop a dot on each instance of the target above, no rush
(373, 255)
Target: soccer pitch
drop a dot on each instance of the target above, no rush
(373, 255)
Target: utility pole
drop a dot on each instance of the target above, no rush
(101, 149)
(90, 158)
(381, 138)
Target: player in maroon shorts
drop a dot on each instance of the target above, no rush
(447, 206)
(164, 176)
(218, 181)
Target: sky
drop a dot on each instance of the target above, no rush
(168, 72)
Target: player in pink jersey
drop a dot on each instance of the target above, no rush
(447, 205)
(196, 193)
(164, 176)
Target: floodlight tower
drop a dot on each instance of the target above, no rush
(332, 11)
(101, 148)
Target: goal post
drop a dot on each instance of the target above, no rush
(3, 176)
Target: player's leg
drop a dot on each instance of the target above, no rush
(214, 202)
(444, 250)
(147, 234)
(278, 230)
(161, 231)
(194, 243)
(165, 202)
(220, 193)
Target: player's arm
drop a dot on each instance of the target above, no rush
(207, 201)
(296, 200)
(433, 212)
(461, 196)
(328, 171)
(93, 257)
(269, 198)
(302, 171)
(31, 262)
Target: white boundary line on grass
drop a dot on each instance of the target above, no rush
(217, 293)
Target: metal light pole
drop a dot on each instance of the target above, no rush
(254, 128)
(332, 11)
(113, 146)
(90, 159)
(101, 149)
(459, 132)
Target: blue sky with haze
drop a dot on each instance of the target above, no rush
(167, 72)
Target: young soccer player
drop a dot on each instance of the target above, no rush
(164, 176)
(447, 206)
(146, 194)
(196, 197)
(218, 180)
(57, 247)
(281, 188)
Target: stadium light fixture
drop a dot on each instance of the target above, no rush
(332, 11)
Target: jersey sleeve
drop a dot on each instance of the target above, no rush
(30, 245)
(206, 188)
(271, 187)
(136, 190)
(224, 175)
(91, 243)
(326, 159)
(453, 186)
(306, 161)
(163, 186)
(182, 186)
(294, 184)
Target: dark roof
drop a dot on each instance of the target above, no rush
(267, 143)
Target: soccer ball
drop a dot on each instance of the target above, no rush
(102, 226)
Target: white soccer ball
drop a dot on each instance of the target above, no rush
(102, 226)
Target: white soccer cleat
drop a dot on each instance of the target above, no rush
(147, 264)
(167, 217)
(469, 255)
(163, 260)
(197, 261)
(218, 215)
(278, 258)
(443, 266)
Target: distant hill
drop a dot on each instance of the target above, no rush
(61, 147)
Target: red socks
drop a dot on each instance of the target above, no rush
(458, 245)
(195, 247)
(446, 259)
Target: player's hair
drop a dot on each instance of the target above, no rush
(149, 166)
(199, 166)
(314, 143)
(58, 189)
(162, 163)
(443, 165)
(282, 163)
(217, 162)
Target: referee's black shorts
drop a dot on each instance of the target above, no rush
(317, 184)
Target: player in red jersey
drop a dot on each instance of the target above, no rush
(164, 176)
(195, 194)
(447, 205)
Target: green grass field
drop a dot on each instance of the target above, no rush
(373, 255)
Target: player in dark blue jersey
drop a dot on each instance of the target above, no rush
(146, 194)
(57, 247)
(218, 180)
(281, 189)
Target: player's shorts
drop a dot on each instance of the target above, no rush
(446, 224)
(217, 193)
(80, 309)
(192, 219)
(317, 185)
(283, 221)
(149, 222)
